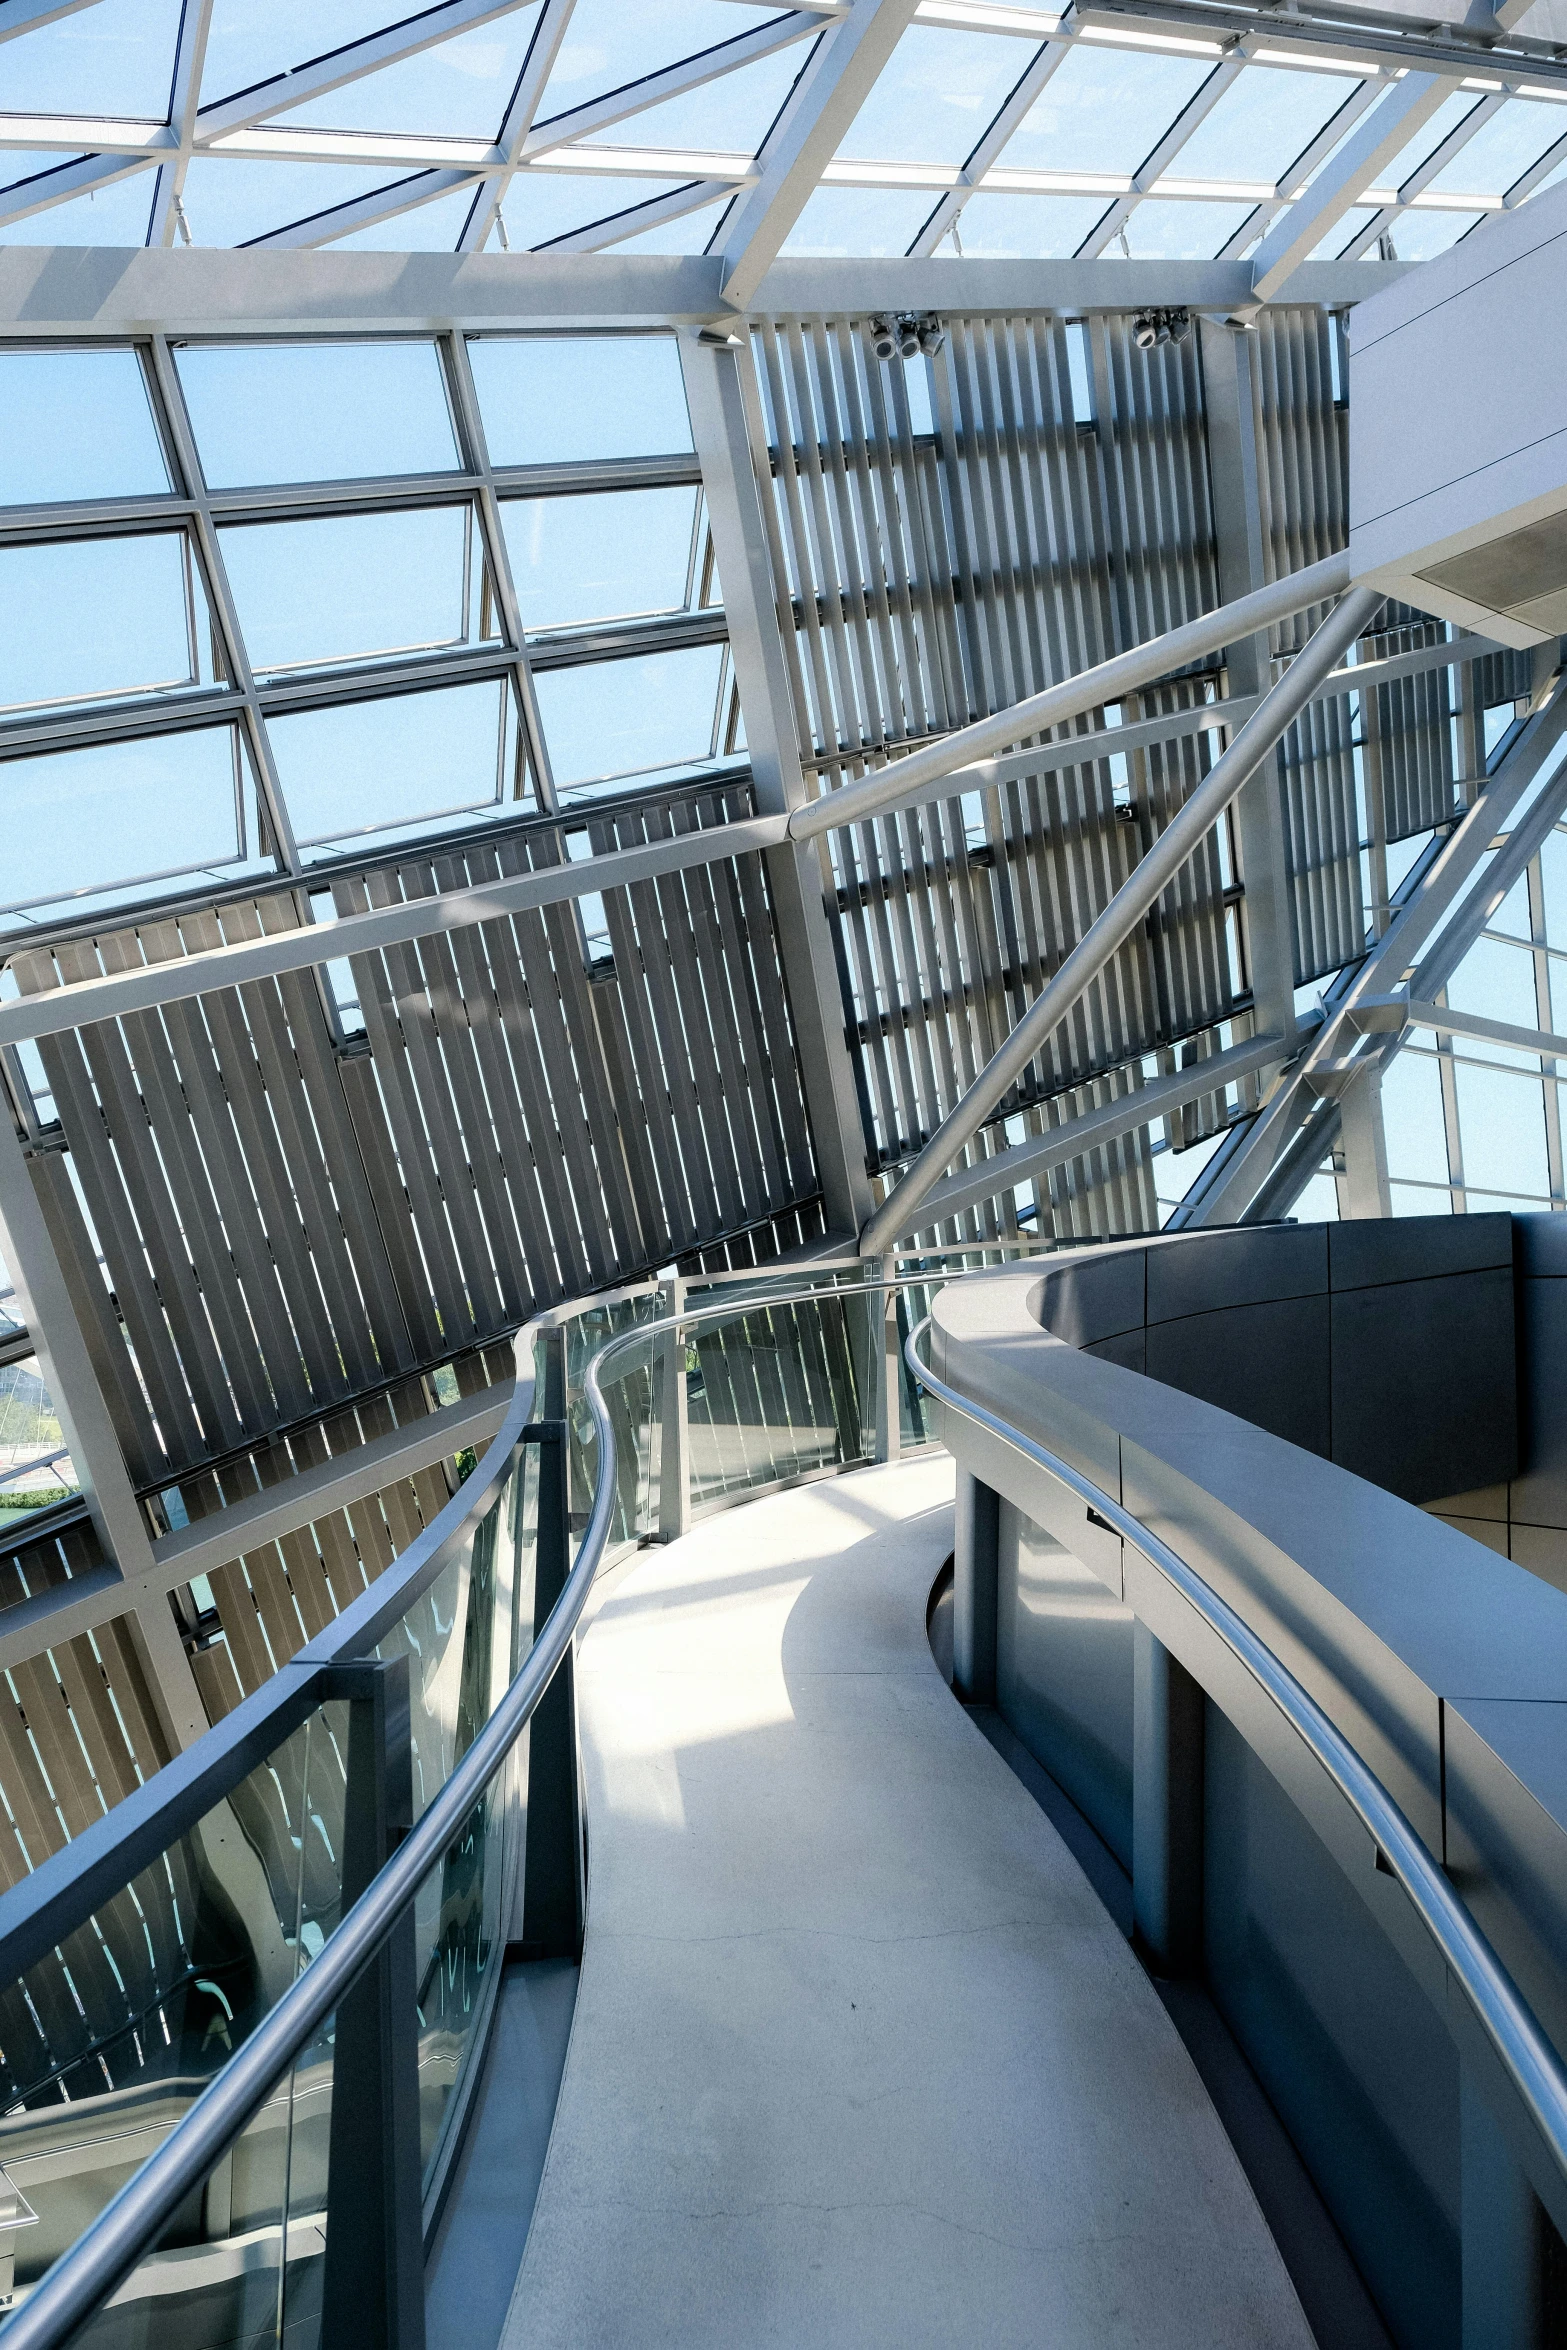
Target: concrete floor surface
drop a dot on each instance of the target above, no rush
(858, 2056)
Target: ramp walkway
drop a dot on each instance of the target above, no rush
(858, 2058)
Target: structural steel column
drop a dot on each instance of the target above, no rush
(716, 389)
(1120, 918)
(1167, 1807)
(976, 1536)
(1227, 362)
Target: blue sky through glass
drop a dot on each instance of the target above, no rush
(77, 425)
(550, 400)
(97, 616)
(317, 411)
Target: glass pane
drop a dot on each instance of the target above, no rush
(1029, 227)
(1501, 1124)
(95, 617)
(117, 814)
(1174, 232)
(860, 220)
(560, 399)
(77, 425)
(248, 45)
(409, 761)
(607, 45)
(1412, 1118)
(317, 411)
(116, 58)
(688, 234)
(1441, 125)
(429, 228)
(616, 718)
(731, 115)
(1497, 981)
(357, 587)
(935, 97)
(1261, 124)
(604, 557)
(777, 1392)
(457, 89)
(1104, 110)
(541, 205)
(35, 1467)
(1502, 149)
(114, 215)
(1420, 236)
(231, 199)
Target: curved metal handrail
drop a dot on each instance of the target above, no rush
(106, 2251)
(1504, 2015)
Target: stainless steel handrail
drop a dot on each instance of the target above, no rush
(1509, 2024)
(106, 2252)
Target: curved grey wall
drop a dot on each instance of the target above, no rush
(1385, 1350)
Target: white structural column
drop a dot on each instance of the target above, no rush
(717, 378)
(1376, 141)
(1148, 879)
(1227, 361)
(826, 100)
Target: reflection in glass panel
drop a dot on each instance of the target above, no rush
(860, 220)
(1104, 110)
(1264, 120)
(453, 755)
(77, 425)
(603, 557)
(90, 618)
(80, 822)
(316, 411)
(1168, 231)
(616, 718)
(935, 95)
(35, 1467)
(1029, 228)
(354, 587)
(563, 399)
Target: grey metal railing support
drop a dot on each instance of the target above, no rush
(674, 1447)
(1504, 2229)
(882, 1310)
(1137, 895)
(373, 2282)
(913, 776)
(554, 1875)
(976, 1533)
(1167, 1807)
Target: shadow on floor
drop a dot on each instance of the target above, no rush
(478, 2248)
(1339, 2310)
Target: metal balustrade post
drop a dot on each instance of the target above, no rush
(373, 2284)
(674, 1453)
(887, 1366)
(976, 1535)
(1167, 1807)
(554, 1884)
(1503, 2233)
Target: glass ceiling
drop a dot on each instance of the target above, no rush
(634, 124)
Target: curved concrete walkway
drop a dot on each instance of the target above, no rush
(858, 2057)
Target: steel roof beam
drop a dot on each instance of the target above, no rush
(1376, 141)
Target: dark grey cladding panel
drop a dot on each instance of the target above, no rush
(1129, 1348)
(1242, 1268)
(1539, 1494)
(1096, 1296)
(1372, 1250)
(1425, 1380)
(1540, 1247)
(1267, 1363)
(1506, 1772)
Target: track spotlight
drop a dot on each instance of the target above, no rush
(932, 335)
(1150, 328)
(1180, 325)
(884, 341)
(1145, 330)
(908, 337)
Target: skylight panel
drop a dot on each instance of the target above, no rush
(1026, 228)
(1104, 110)
(394, 763)
(229, 200)
(1169, 231)
(566, 399)
(458, 89)
(613, 556)
(115, 58)
(541, 205)
(936, 96)
(78, 424)
(837, 221)
(729, 115)
(608, 720)
(1442, 124)
(1421, 236)
(247, 44)
(1503, 149)
(359, 587)
(428, 228)
(1345, 232)
(102, 618)
(316, 411)
(1266, 119)
(122, 815)
(22, 163)
(689, 234)
(608, 45)
(113, 215)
